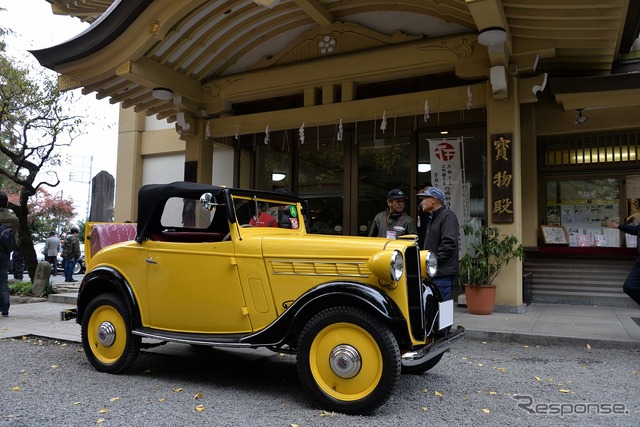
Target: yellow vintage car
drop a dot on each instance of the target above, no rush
(223, 267)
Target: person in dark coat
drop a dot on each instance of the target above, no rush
(393, 222)
(631, 286)
(11, 221)
(441, 238)
(70, 253)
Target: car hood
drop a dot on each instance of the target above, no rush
(317, 246)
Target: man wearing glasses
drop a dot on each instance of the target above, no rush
(441, 238)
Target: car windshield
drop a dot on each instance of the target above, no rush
(263, 212)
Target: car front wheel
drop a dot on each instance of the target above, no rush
(106, 335)
(348, 360)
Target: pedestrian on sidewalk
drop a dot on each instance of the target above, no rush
(441, 238)
(631, 286)
(17, 264)
(70, 253)
(51, 250)
(9, 220)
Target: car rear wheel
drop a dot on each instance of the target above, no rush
(106, 335)
(348, 360)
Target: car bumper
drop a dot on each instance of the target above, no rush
(433, 349)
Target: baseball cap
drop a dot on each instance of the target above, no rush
(433, 192)
(396, 194)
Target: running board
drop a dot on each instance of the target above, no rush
(210, 340)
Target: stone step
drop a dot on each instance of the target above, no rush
(67, 287)
(65, 298)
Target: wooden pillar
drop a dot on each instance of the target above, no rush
(198, 156)
(503, 118)
(129, 167)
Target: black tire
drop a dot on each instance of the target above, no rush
(113, 352)
(350, 388)
(423, 367)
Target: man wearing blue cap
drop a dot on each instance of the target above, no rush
(394, 221)
(441, 238)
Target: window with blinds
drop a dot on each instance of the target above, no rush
(592, 151)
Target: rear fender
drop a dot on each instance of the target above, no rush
(107, 280)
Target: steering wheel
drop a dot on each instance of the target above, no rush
(228, 236)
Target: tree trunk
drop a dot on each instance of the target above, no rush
(24, 234)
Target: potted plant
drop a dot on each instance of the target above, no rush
(488, 253)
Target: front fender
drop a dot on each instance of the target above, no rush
(321, 297)
(106, 280)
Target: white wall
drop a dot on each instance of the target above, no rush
(151, 123)
(162, 169)
(222, 165)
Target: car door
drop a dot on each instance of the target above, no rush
(193, 283)
(194, 287)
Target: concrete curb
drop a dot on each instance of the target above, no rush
(15, 299)
(535, 339)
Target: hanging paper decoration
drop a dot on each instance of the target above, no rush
(469, 97)
(266, 136)
(207, 131)
(340, 131)
(237, 132)
(383, 123)
(301, 134)
(426, 110)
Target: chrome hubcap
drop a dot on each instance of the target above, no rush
(345, 361)
(106, 334)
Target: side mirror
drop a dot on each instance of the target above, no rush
(208, 202)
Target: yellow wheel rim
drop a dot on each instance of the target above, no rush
(361, 383)
(107, 334)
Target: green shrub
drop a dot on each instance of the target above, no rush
(24, 289)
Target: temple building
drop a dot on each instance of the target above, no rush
(343, 100)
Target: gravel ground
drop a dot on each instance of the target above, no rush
(46, 382)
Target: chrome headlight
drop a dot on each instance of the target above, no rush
(429, 264)
(397, 265)
(387, 266)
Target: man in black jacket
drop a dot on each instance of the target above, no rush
(394, 221)
(11, 221)
(70, 253)
(441, 238)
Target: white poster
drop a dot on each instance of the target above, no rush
(446, 174)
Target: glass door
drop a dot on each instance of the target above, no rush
(345, 182)
(384, 162)
(321, 171)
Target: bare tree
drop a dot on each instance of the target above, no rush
(34, 123)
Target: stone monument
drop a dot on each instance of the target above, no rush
(102, 197)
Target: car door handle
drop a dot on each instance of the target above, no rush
(151, 261)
